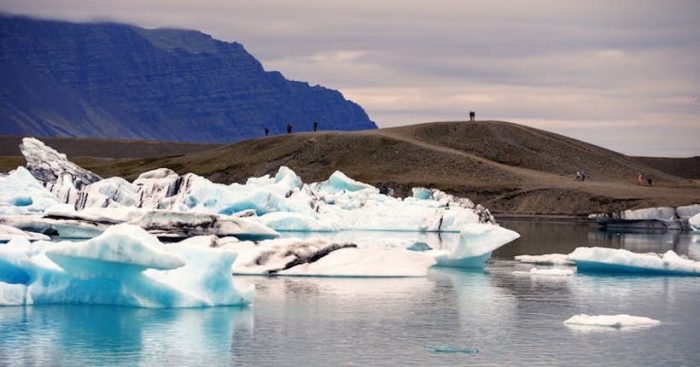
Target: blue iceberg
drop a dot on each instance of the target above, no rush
(123, 266)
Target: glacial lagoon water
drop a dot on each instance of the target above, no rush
(450, 318)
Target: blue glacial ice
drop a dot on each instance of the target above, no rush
(608, 260)
(123, 266)
(180, 206)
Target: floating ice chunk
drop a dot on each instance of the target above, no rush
(661, 213)
(21, 193)
(548, 259)
(615, 321)
(64, 227)
(7, 233)
(688, 211)
(187, 224)
(476, 243)
(318, 257)
(607, 260)
(558, 272)
(695, 222)
(126, 247)
(123, 266)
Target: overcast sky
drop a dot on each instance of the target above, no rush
(623, 74)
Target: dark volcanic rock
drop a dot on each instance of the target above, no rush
(119, 81)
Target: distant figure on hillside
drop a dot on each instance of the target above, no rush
(472, 116)
(289, 128)
(640, 179)
(267, 131)
(583, 176)
(578, 176)
(649, 180)
(315, 126)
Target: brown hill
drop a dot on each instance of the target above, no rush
(508, 167)
(681, 167)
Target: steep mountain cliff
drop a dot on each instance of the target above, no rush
(119, 81)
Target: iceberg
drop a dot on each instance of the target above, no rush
(695, 222)
(7, 233)
(89, 223)
(546, 272)
(320, 257)
(476, 242)
(62, 199)
(608, 260)
(123, 266)
(60, 176)
(22, 194)
(614, 321)
(548, 259)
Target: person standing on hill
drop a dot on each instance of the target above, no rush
(472, 116)
(289, 128)
(640, 179)
(267, 131)
(315, 126)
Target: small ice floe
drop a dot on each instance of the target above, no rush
(590, 322)
(557, 272)
(547, 259)
(607, 260)
(451, 349)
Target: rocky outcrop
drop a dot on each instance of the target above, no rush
(118, 81)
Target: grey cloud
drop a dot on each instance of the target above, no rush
(629, 66)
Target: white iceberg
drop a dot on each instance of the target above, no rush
(173, 206)
(557, 272)
(476, 242)
(614, 321)
(123, 266)
(21, 193)
(91, 222)
(608, 260)
(547, 259)
(320, 257)
(695, 222)
(60, 176)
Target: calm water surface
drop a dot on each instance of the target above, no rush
(500, 318)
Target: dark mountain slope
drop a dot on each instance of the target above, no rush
(118, 81)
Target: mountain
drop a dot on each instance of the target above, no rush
(109, 80)
(509, 168)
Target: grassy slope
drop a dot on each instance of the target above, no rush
(508, 167)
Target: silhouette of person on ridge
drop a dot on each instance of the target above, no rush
(472, 116)
(267, 131)
(289, 128)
